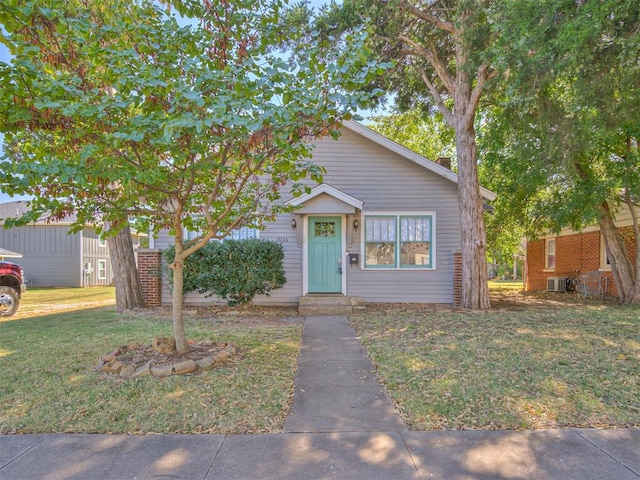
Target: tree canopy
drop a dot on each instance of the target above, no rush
(424, 133)
(564, 130)
(117, 109)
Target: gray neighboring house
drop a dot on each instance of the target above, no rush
(54, 257)
(383, 227)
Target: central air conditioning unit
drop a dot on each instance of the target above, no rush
(556, 284)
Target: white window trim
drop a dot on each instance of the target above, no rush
(604, 267)
(102, 276)
(547, 268)
(396, 214)
(102, 242)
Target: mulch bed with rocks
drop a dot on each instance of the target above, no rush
(160, 359)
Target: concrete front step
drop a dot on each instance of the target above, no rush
(330, 305)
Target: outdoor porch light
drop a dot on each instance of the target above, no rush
(294, 224)
(356, 224)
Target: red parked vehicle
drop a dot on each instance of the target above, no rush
(12, 287)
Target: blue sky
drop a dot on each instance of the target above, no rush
(4, 57)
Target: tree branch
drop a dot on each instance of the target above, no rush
(446, 113)
(434, 60)
(484, 75)
(427, 17)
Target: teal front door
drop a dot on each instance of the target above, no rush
(325, 255)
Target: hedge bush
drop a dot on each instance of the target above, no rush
(234, 270)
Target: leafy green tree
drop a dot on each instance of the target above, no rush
(442, 60)
(117, 109)
(424, 133)
(564, 132)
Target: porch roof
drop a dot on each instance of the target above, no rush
(350, 204)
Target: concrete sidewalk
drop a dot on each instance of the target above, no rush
(342, 425)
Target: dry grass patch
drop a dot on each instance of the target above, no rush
(41, 301)
(534, 367)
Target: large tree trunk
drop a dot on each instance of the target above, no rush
(475, 291)
(624, 274)
(128, 289)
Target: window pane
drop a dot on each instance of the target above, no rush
(102, 269)
(381, 254)
(415, 229)
(244, 233)
(325, 229)
(551, 253)
(415, 254)
(380, 241)
(380, 229)
(415, 241)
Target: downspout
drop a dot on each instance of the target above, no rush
(82, 275)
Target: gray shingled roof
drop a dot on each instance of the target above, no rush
(9, 254)
(18, 208)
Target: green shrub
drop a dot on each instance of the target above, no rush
(234, 270)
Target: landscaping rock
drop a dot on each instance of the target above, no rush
(225, 354)
(188, 366)
(143, 371)
(206, 363)
(164, 345)
(106, 367)
(116, 367)
(162, 371)
(109, 357)
(163, 364)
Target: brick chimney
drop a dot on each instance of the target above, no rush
(444, 161)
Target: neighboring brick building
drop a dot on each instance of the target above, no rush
(569, 254)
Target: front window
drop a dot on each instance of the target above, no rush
(242, 233)
(380, 241)
(415, 241)
(102, 269)
(398, 241)
(550, 256)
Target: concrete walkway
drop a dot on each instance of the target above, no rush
(336, 386)
(341, 425)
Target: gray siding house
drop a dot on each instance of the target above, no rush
(54, 257)
(383, 227)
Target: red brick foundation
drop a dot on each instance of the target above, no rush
(457, 279)
(149, 270)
